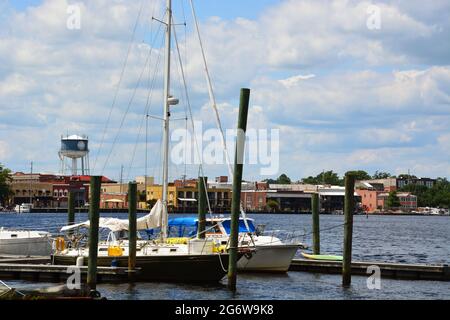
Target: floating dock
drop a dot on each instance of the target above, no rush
(388, 270)
(39, 269)
(32, 269)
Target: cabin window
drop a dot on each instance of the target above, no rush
(173, 250)
(13, 235)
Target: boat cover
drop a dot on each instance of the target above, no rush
(150, 221)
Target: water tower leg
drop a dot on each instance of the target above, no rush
(74, 166)
(82, 166)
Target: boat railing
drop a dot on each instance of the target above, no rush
(277, 236)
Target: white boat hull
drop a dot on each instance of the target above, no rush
(269, 258)
(25, 243)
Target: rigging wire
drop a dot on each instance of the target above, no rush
(214, 106)
(151, 84)
(192, 122)
(128, 108)
(118, 86)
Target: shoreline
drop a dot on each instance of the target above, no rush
(86, 210)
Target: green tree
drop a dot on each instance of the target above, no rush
(406, 176)
(381, 175)
(392, 200)
(272, 205)
(327, 177)
(283, 179)
(5, 187)
(361, 175)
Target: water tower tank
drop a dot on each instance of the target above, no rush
(76, 148)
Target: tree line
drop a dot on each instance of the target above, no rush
(331, 177)
(5, 189)
(436, 196)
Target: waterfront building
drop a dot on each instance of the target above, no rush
(49, 190)
(374, 197)
(393, 184)
(183, 196)
(407, 200)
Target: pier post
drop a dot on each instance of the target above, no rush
(202, 185)
(237, 180)
(71, 210)
(349, 207)
(132, 228)
(94, 215)
(315, 222)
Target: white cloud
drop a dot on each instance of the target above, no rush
(340, 93)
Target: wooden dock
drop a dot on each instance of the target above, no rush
(39, 269)
(55, 273)
(388, 270)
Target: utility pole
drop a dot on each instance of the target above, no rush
(31, 182)
(121, 177)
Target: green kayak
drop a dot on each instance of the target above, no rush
(322, 257)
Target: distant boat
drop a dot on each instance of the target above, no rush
(25, 243)
(23, 208)
(323, 257)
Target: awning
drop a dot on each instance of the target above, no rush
(115, 200)
(187, 199)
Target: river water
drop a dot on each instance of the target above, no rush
(407, 239)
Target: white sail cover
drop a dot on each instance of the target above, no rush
(150, 221)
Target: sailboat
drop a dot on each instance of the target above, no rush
(195, 260)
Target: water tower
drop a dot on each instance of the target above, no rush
(74, 149)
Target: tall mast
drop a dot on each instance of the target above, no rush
(166, 118)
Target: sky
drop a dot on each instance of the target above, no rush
(350, 85)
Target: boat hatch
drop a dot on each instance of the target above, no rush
(13, 235)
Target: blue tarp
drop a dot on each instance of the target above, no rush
(182, 224)
(226, 224)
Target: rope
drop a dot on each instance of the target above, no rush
(192, 121)
(146, 115)
(126, 111)
(214, 106)
(118, 86)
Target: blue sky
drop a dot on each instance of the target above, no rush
(344, 96)
(226, 9)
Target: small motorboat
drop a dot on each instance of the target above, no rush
(323, 257)
(25, 243)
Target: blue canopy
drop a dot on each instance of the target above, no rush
(183, 222)
(242, 228)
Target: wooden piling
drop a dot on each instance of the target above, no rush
(94, 215)
(349, 207)
(315, 222)
(132, 228)
(71, 210)
(202, 205)
(237, 180)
